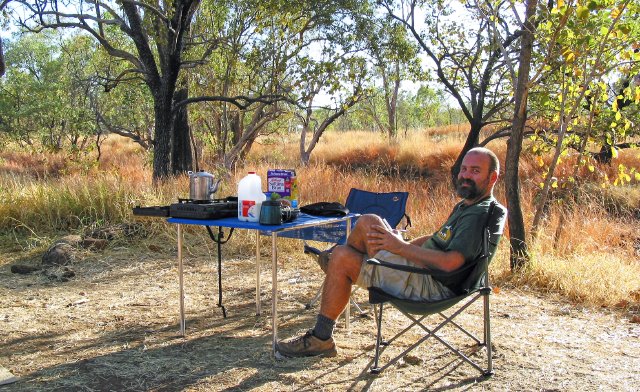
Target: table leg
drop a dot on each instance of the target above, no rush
(258, 304)
(347, 309)
(274, 291)
(180, 273)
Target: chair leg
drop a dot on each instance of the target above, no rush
(375, 368)
(487, 335)
(315, 298)
(355, 305)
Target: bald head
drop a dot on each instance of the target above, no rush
(494, 163)
(478, 174)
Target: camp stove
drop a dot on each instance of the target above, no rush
(204, 209)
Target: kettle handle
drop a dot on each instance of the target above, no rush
(214, 187)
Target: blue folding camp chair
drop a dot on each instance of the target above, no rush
(388, 205)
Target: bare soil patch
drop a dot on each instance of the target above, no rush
(114, 327)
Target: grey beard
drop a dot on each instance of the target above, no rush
(470, 192)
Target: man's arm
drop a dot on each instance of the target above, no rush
(420, 240)
(380, 238)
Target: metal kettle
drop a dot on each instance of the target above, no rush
(202, 185)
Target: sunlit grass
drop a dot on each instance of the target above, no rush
(591, 255)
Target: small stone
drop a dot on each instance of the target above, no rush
(154, 248)
(94, 243)
(412, 360)
(71, 239)
(58, 254)
(24, 269)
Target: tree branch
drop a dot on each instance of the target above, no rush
(239, 101)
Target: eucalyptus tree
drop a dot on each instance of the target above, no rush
(519, 255)
(3, 5)
(587, 51)
(163, 47)
(472, 56)
(393, 59)
(331, 78)
(295, 49)
(40, 100)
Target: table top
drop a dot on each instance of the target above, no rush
(303, 220)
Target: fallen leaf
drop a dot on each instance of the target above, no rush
(78, 302)
(635, 319)
(622, 304)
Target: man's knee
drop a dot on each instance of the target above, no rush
(345, 261)
(367, 220)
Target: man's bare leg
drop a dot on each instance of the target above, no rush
(342, 272)
(344, 268)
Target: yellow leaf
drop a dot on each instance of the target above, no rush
(555, 184)
(615, 13)
(637, 176)
(591, 168)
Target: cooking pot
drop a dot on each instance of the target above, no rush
(202, 185)
(271, 212)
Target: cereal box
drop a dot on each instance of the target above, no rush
(284, 183)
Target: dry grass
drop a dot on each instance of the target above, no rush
(601, 229)
(113, 326)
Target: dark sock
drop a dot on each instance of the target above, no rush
(324, 327)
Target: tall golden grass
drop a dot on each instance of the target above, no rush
(587, 251)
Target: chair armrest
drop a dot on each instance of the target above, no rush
(308, 249)
(419, 270)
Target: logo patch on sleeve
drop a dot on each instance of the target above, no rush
(445, 233)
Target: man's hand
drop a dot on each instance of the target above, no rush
(385, 238)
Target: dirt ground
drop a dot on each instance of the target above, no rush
(114, 327)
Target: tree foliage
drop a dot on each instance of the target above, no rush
(473, 61)
(590, 95)
(42, 98)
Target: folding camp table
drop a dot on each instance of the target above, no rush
(295, 229)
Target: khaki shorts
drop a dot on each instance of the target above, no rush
(401, 284)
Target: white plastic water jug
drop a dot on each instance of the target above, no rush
(250, 198)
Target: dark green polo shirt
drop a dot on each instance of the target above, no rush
(461, 232)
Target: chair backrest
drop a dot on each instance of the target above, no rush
(491, 234)
(388, 205)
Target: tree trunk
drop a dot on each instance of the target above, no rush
(2, 66)
(181, 149)
(391, 98)
(305, 156)
(162, 142)
(471, 142)
(519, 252)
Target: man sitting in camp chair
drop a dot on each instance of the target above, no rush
(458, 241)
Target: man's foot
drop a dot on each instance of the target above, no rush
(323, 260)
(306, 345)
